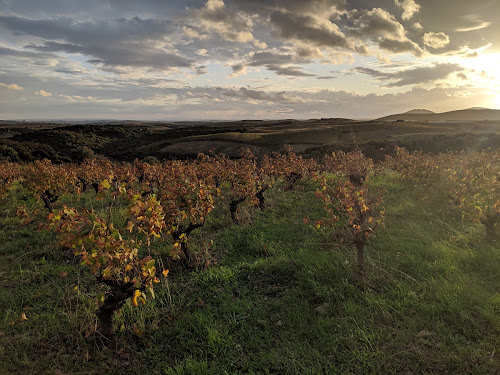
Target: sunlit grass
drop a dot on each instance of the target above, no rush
(279, 297)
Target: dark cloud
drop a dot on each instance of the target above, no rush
(377, 23)
(237, 68)
(69, 71)
(4, 51)
(83, 32)
(98, 8)
(305, 28)
(289, 71)
(269, 58)
(202, 69)
(400, 46)
(58, 47)
(415, 76)
(120, 42)
(314, 6)
(276, 62)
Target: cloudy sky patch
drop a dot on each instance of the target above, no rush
(252, 58)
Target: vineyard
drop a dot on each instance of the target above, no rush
(271, 264)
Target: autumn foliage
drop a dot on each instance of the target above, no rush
(131, 208)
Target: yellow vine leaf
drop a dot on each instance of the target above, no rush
(138, 298)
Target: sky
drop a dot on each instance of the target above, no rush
(246, 59)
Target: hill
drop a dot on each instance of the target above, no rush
(314, 137)
(419, 112)
(471, 114)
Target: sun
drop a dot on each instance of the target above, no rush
(481, 70)
(495, 103)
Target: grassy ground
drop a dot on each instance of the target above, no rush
(279, 298)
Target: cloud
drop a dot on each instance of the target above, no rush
(309, 52)
(410, 8)
(280, 97)
(127, 98)
(436, 40)
(276, 62)
(43, 93)
(119, 42)
(289, 71)
(202, 69)
(473, 22)
(324, 7)
(312, 29)
(472, 54)
(12, 86)
(383, 28)
(97, 8)
(269, 58)
(238, 70)
(398, 46)
(415, 76)
(247, 95)
(190, 32)
(4, 51)
(378, 23)
(70, 71)
(231, 26)
(214, 5)
(57, 47)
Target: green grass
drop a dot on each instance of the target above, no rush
(279, 298)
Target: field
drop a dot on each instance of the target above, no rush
(131, 140)
(273, 294)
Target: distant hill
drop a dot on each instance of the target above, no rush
(471, 114)
(419, 112)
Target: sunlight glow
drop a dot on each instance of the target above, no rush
(484, 69)
(495, 104)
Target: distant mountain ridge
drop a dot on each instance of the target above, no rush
(419, 112)
(470, 114)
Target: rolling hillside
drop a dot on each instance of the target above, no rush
(471, 114)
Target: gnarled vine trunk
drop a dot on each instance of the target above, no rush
(361, 259)
(233, 208)
(490, 223)
(261, 198)
(176, 236)
(48, 198)
(113, 301)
